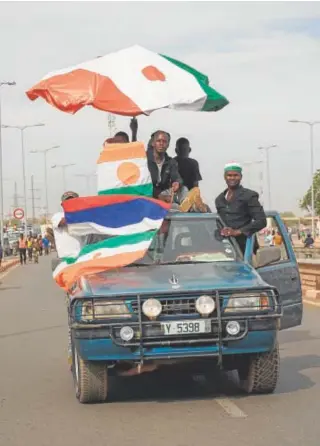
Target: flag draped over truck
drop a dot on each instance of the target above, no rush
(126, 222)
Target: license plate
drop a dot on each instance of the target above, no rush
(186, 327)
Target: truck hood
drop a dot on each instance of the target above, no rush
(160, 279)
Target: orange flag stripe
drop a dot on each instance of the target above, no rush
(68, 276)
(120, 152)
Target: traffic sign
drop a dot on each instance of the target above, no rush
(18, 213)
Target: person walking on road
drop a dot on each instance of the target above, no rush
(239, 208)
(23, 249)
(45, 244)
(29, 248)
(40, 245)
(35, 248)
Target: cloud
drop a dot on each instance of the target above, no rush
(263, 56)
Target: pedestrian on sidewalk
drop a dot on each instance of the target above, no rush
(1, 254)
(23, 249)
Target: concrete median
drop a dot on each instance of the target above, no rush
(7, 264)
(310, 278)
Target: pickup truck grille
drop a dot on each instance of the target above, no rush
(173, 307)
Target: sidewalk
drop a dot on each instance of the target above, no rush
(6, 264)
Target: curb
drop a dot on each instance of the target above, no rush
(311, 302)
(8, 265)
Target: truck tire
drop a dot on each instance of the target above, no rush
(259, 373)
(91, 380)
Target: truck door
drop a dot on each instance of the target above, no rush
(284, 274)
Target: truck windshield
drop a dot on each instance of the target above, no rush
(186, 240)
(189, 241)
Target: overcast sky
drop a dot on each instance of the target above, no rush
(264, 57)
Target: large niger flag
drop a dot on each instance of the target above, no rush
(131, 82)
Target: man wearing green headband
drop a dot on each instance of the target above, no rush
(239, 208)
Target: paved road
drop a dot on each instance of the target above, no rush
(38, 406)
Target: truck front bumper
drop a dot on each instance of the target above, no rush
(96, 346)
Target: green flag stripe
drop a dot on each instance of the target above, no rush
(142, 189)
(215, 101)
(113, 242)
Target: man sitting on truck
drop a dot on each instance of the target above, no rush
(163, 169)
(188, 167)
(239, 208)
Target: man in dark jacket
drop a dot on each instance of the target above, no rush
(239, 208)
(188, 167)
(163, 169)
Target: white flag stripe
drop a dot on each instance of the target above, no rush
(108, 174)
(109, 252)
(83, 229)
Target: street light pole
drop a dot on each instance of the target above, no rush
(267, 148)
(45, 152)
(87, 176)
(249, 164)
(22, 128)
(311, 124)
(9, 84)
(63, 168)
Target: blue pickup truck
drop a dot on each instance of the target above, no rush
(194, 297)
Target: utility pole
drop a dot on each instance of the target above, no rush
(16, 197)
(44, 152)
(33, 198)
(87, 176)
(250, 164)
(111, 124)
(22, 128)
(266, 149)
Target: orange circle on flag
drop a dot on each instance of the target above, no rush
(153, 73)
(128, 173)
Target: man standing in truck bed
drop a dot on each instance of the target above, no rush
(239, 208)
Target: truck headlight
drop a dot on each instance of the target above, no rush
(105, 309)
(152, 308)
(248, 302)
(205, 305)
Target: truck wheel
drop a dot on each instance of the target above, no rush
(91, 380)
(259, 373)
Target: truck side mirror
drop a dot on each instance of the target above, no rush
(267, 256)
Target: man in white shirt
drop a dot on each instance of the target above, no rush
(67, 245)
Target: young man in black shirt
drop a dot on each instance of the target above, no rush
(188, 167)
(163, 169)
(239, 208)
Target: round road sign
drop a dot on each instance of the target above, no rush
(18, 213)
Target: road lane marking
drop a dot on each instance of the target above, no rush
(231, 408)
(226, 404)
